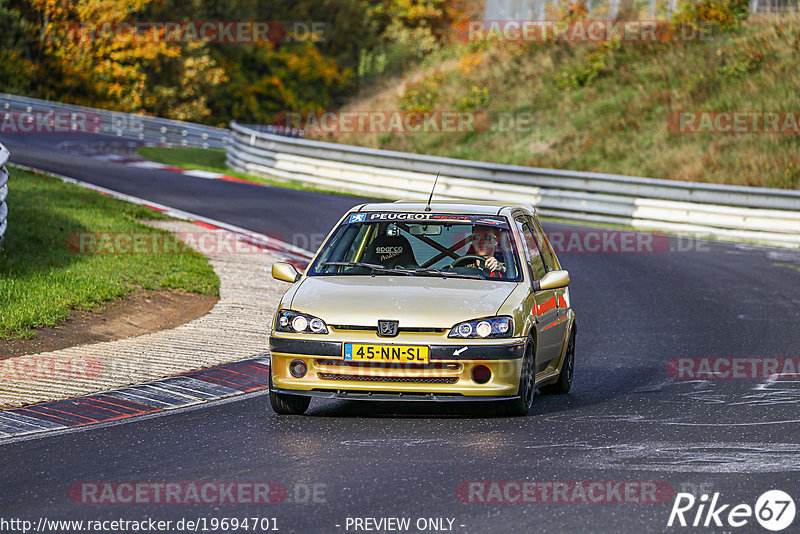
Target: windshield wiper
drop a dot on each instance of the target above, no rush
(373, 266)
(444, 274)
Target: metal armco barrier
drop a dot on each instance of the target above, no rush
(128, 125)
(764, 215)
(4, 155)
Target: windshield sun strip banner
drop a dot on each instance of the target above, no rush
(374, 216)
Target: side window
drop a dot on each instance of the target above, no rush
(547, 251)
(531, 249)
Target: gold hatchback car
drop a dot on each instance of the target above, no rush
(450, 301)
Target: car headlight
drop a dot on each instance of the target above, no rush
(490, 327)
(299, 323)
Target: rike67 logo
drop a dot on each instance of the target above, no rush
(774, 510)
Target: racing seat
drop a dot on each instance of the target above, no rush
(391, 252)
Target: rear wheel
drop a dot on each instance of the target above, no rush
(527, 384)
(564, 382)
(284, 404)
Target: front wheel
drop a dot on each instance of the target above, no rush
(564, 382)
(287, 404)
(527, 384)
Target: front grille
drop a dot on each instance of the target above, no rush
(410, 379)
(393, 365)
(401, 330)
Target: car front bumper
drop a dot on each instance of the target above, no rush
(447, 376)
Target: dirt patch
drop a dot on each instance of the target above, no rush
(139, 313)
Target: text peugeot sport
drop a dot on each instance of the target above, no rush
(447, 302)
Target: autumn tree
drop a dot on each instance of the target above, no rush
(74, 51)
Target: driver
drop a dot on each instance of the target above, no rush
(484, 243)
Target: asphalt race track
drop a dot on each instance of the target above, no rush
(626, 420)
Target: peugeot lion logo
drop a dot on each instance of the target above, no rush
(387, 328)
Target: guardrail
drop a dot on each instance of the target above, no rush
(764, 215)
(130, 125)
(4, 155)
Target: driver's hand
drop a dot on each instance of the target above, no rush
(493, 265)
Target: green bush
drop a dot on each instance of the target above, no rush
(596, 63)
(478, 99)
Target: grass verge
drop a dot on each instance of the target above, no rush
(41, 280)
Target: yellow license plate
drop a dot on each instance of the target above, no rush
(385, 353)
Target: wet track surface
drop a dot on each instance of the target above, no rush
(627, 419)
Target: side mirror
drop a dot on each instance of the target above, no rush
(285, 272)
(552, 280)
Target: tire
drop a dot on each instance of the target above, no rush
(527, 384)
(284, 404)
(564, 382)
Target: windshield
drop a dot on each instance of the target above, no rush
(420, 244)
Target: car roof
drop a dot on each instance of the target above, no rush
(445, 206)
